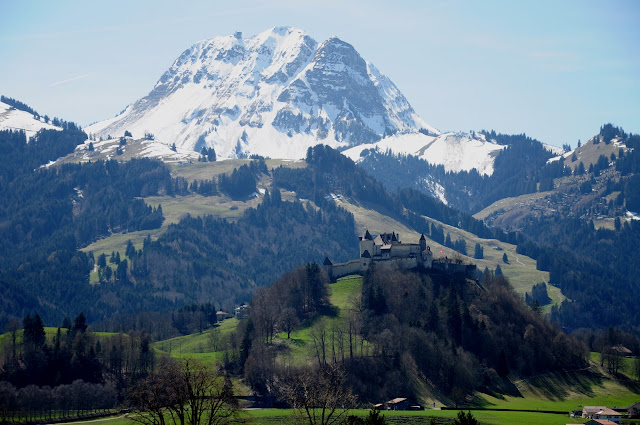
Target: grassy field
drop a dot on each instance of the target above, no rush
(508, 203)
(566, 391)
(199, 345)
(207, 170)
(520, 269)
(288, 416)
(50, 333)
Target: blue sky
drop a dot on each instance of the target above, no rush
(555, 70)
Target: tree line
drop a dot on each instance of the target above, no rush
(329, 172)
(31, 358)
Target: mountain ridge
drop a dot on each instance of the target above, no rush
(274, 94)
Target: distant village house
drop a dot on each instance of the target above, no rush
(242, 312)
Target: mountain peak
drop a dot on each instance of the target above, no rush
(274, 94)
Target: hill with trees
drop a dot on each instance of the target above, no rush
(405, 332)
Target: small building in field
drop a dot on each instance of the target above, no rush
(621, 350)
(609, 414)
(577, 413)
(222, 315)
(589, 411)
(242, 312)
(399, 403)
(633, 411)
(402, 403)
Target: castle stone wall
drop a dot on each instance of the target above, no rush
(404, 250)
(344, 269)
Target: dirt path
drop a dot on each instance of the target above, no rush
(518, 259)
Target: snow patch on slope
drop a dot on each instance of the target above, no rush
(554, 149)
(455, 151)
(17, 120)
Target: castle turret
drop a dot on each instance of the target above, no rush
(365, 260)
(423, 243)
(366, 243)
(327, 265)
(427, 258)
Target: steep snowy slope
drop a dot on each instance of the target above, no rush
(455, 151)
(273, 94)
(15, 119)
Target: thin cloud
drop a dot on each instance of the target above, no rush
(127, 27)
(68, 80)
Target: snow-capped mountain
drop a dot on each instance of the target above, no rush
(273, 94)
(455, 151)
(17, 120)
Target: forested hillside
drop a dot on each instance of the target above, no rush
(209, 258)
(417, 328)
(329, 173)
(557, 227)
(48, 213)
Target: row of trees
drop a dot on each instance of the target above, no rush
(36, 404)
(74, 353)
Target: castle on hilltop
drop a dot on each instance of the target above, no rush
(387, 248)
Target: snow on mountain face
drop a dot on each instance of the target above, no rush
(273, 94)
(455, 151)
(16, 120)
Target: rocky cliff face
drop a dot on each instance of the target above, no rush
(273, 94)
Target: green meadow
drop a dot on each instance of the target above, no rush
(198, 346)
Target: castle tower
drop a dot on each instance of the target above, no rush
(427, 258)
(365, 260)
(366, 243)
(423, 243)
(327, 265)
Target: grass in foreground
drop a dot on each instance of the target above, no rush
(288, 416)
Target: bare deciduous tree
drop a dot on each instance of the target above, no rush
(319, 394)
(187, 392)
(319, 338)
(288, 320)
